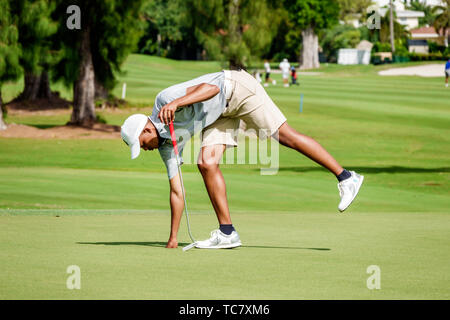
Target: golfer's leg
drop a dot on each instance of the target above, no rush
(208, 164)
(288, 137)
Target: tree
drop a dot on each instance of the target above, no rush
(287, 41)
(391, 25)
(442, 21)
(340, 36)
(164, 26)
(384, 33)
(35, 28)
(420, 5)
(9, 51)
(351, 9)
(235, 31)
(94, 53)
(312, 16)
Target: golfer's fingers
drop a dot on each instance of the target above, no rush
(166, 116)
(169, 116)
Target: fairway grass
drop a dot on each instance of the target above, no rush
(284, 256)
(85, 203)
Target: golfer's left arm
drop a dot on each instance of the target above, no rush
(176, 209)
(198, 93)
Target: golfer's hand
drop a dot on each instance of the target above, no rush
(172, 244)
(167, 113)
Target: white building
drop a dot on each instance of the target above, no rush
(408, 18)
(429, 33)
(359, 55)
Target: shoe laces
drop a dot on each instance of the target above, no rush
(214, 234)
(343, 186)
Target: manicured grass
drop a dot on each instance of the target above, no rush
(285, 255)
(83, 202)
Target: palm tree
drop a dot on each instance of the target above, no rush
(418, 5)
(384, 33)
(442, 22)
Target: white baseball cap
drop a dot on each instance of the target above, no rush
(131, 130)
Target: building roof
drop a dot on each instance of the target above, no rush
(426, 33)
(424, 30)
(410, 14)
(364, 45)
(404, 13)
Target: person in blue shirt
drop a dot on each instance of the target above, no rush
(447, 72)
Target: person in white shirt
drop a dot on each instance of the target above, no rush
(268, 70)
(285, 68)
(257, 76)
(213, 106)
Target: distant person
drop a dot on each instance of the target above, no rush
(267, 77)
(294, 76)
(447, 72)
(285, 68)
(257, 76)
(217, 102)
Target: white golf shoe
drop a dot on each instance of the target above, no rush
(348, 189)
(220, 240)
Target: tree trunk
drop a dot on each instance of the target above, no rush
(235, 37)
(100, 91)
(2, 123)
(310, 50)
(44, 91)
(391, 25)
(35, 86)
(83, 113)
(31, 86)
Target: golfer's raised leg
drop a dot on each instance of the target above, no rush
(208, 164)
(289, 137)
(349, 181)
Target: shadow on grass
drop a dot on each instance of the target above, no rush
(296, 248)
(370, 170)
(150, 244)
(42, 126)
(160, 244)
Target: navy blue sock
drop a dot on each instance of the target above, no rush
(227, 228)
(343, 175)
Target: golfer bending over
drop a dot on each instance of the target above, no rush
(218, 101)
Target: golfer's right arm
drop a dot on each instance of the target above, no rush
(176, 207)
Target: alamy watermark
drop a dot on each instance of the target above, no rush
(256, 148)
(74, 20)
(374, 19)
(374, 280)
(74, 280)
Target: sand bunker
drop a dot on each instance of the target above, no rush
(429, 70)
(98, 131)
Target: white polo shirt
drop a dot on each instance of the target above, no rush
(189, 119)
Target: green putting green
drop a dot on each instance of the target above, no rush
(85, 203)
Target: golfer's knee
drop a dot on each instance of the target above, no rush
(286, 135)
(206, 167)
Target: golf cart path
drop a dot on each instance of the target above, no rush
(428, 70)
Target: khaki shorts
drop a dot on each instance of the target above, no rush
(250, 103)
